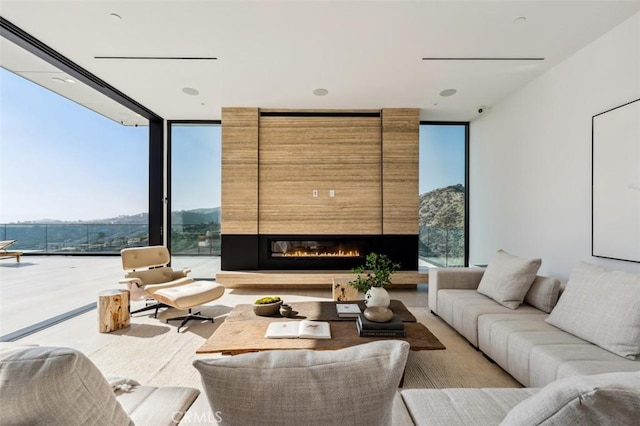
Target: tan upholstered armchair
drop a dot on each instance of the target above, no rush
(148, 277)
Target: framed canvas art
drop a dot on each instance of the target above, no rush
(616, 183)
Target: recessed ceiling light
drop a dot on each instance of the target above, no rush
(57, 79)
(202, 103)
(448, 92)
(520, 20)
(190, 91)
(69, 80)
(115, 17)
(321, 92)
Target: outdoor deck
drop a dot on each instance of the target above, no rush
(42, 287)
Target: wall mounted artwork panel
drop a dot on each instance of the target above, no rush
(616, 183)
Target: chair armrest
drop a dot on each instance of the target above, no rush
(131, 281)
(135, 287)
(152, 288)
(452, 278)
(180, 274)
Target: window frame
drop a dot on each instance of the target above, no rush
(467, 191)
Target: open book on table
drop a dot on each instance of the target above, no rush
(304, 329)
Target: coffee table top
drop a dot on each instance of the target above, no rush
(315, 311)
(243, 331)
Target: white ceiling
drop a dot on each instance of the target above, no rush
(273, 54)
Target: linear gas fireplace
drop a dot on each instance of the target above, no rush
(314, 252)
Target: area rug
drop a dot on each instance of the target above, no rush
(155, 354)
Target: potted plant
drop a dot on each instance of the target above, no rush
(267, 306)
(372, 277)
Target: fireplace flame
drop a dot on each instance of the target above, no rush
(337, 253)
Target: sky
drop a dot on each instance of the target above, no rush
(62, 161)
(441, 156)
(195, 166)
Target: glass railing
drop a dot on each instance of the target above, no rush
(51, 238)
(442, 246)
(107, 238)
(196, 239)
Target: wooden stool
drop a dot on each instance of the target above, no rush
(113, 310)
(342, 291)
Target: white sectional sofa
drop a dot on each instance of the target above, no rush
(61, 386)
(594, 328)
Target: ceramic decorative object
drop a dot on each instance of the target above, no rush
(267, 309)
(378, 314)
(285, 310)
(372, 277)
(377, 296)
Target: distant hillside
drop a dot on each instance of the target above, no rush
(441, 220)
(442, 207)
(185, 217)
(196, 216)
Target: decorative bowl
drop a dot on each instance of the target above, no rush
(267, 309)
(378, 314)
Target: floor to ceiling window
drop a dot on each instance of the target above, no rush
(195, 182)
(443, 194)
(72, 181)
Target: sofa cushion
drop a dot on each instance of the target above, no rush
(602, 307)
(550, 362)
(467, 308)
(355, 385)
(612, 398)
(461, 407)
(508, 278)
(543, 293)
(47, 385)
(148, 405)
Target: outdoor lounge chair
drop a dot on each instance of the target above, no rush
(148, 277)
(5, 254)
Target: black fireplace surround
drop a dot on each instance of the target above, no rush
(314, 252)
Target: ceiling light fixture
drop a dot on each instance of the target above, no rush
(190, 91)
(69, 80)
(162, 58)
(57, 80)
(520, 20)
(115, 17)
(321, 92)
(488, 58)
(448, 92)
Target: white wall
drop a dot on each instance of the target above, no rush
(530, 157)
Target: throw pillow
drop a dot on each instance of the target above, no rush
(58, 386)
(543, 293)
(602, 307)
(601, 399)
(355, 385)
(508, 278)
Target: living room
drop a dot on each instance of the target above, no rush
(530, 157)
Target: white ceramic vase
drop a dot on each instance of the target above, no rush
(377, 296)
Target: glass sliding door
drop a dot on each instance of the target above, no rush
(443, 195)
(195, 185)
(73, 181)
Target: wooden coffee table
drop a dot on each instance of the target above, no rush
(243, 331)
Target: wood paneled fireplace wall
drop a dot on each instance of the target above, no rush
(301, 188)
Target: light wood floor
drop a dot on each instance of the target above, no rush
(45, 286)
